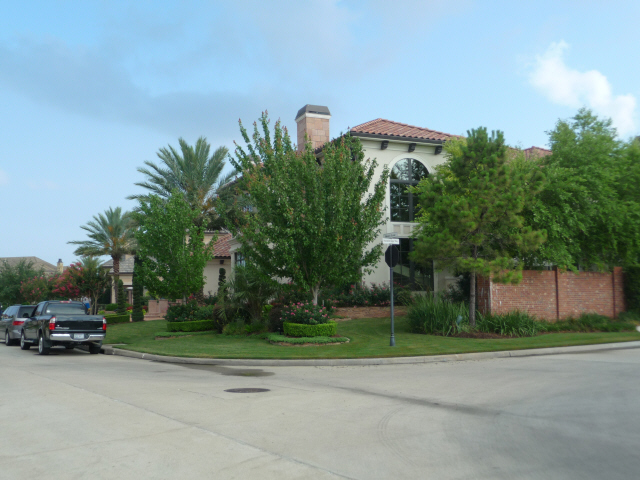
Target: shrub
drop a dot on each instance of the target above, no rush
(195, 326)
(113, 319)
(276, 338)
(305, 313)
(433, 314)
(121, 308)
(189, 312)
(512, 324)
(111, 307)
(305, 330)
(632, 288)
(274, 319)
(589, 322)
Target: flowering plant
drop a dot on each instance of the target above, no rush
(305, 313)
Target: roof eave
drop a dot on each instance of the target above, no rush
(397, 138)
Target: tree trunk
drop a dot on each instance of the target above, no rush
(472, 300)
(315, 290)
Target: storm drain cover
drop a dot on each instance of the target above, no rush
(247, 390)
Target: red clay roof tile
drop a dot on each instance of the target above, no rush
(380, 126)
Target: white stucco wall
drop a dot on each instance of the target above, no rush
(395, 152)
(212, 272)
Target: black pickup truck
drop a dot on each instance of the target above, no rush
(65, 323)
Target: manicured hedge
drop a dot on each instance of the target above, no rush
(113, 319)
(196, 326)
(300, 330)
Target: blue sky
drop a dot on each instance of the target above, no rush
(90, 90)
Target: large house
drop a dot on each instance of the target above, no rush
(410, 153)
(36, 263)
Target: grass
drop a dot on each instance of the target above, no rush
(369, 338)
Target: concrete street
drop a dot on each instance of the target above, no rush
(72, 414)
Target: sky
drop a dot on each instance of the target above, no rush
(90, 90)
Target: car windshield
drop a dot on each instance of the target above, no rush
(66, 309)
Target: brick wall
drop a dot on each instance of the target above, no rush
(553, 295)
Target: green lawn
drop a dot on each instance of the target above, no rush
(369, 338)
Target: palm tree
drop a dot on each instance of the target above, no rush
(192, 171)
(110, 234)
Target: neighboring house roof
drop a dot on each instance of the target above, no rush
(536, 152)
(126, 264)
(37, 263)
(401, 131)
(221, 248)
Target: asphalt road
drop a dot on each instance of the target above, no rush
(72, 414)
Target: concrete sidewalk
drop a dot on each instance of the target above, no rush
(335, 362)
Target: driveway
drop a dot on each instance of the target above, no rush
(557, 417)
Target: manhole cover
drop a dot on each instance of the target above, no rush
(247, 390)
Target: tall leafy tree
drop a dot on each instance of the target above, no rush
(312, 220)
(171, 249)
(590, 205)
(193, 171)
(12, 276)
(471, 212)
(110, 233)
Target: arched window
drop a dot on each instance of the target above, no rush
(406, 173)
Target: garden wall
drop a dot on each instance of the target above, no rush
(554, 295)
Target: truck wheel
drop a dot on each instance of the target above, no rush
(42, 348)
(23, 342)
(94, 349)
(7, 339)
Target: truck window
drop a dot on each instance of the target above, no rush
(24, 310)
(66, 309)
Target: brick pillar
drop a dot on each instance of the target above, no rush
(617, 278)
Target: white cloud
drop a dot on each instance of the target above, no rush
(572, 88)
(4, 178)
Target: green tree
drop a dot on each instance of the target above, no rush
(110, 234)
(171, 248)
(121, 299)
(86, 277)
(222, 278)
(590, 205)
(470, 212)
(12, 276)
(314, 220)
(192, 172)
(137, 314)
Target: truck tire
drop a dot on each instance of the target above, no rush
(23, 342)
(94, 349)
(43, 349)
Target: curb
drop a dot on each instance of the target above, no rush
(337, 362)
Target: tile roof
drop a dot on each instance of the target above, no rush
(380, 126)
(37, 263)
(221, 248)
(536, 152)
(126, 264)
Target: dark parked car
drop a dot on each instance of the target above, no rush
(11, 322)
(64, 323)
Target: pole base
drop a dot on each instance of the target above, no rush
(392, 343)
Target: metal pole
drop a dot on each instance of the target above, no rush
(392, 343)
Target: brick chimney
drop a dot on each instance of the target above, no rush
(314, 121)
